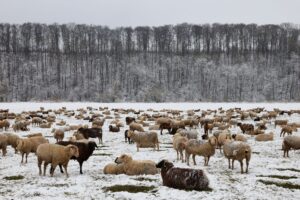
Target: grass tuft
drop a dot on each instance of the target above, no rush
(13, 178)
(286, 185)
(128, 188)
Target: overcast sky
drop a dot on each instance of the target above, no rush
(150, 12)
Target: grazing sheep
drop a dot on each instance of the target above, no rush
(3, 143)
(136, 167)
(179, 145)
(182, 178)
(264, 137)
(286, 129)
(237, 150)
(36, 121)
(27, 145)
(246, 127)
(56, 155)
(4, 124)
(144, 139)
(85, 148)
(12, 140)
(239, 137)
(113, 168)
(223, 137)
(59, 135)
(133, 126)
(290, 142)
(201, 148)
(91, 133)
(114, 128)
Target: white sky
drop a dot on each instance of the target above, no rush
(150, 12)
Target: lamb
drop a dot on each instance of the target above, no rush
(290, 142)
(59, 135)
(4, 124)
(264, 137)
(56, 155)
(91, 132)
(201, 148)
(182, 178)
(237, 150)
(136, 167)
(179, 145)
(135, 127)
(85, 148)
(12, 140)
(286, 129)
(246, 127)
(3, 143)
(114, 128)
(113, 168)
(25, 146)
(144, 139)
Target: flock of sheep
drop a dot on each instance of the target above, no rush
(192, 133)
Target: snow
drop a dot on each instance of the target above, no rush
(267, 157)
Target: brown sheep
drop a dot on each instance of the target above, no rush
(290, 142)
(113, 168)
(3, 143)
(179, 145)
(114, 128)
(136, 167)
(286, 129)
(264, 137)
(4, 124)
(135, 127)
(144, 139)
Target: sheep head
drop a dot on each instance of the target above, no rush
(212, 140)
(130, 133)
(123, 159)
(164, 164)
(73, 150)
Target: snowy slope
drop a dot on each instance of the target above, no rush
(226, 184)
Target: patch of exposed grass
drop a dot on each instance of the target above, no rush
(254, 152)
(13, 178)
(56, 185)
(145, 179)
(128, 188)
(279, 176)
(102, 154)
(288, 169)
(286, 185)
(69, 193)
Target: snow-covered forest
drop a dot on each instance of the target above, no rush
(184, 62)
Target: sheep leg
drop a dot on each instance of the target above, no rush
(242, 170)
(157, 146)
(45, 167)
(229, 163)
(65, 167)
(39, 165)
(61, 170)
(80, 164)
(187, 158)
(53, 166)
(22, 157)
(247, 165)
(161, 131)
(207, 161)
(194, 159)
(232, 164)
(137, 147)
(26, 157)
(177, 155)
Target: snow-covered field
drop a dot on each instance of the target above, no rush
(267, 160)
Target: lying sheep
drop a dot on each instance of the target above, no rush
(201, 148)
(136, 167)
(46, 125)
(237, 150)
(59, 135)
(114, 128)
(239, 137)
(179, 145)
(3, 143)
(144, 139)
(85, 148)
(113, 168)
(182, 178)
(290, 142)
(34, 135)
(190, 134)
(28, 145)
(56, 155)
(12, 140)
(264, 137)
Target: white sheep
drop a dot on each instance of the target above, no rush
(179, 145)
(56, 155)
(237, 150)
(290, 142)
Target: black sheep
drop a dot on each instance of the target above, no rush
(127, 138)
(129, 120)
(182, 178)
(91, 133)
(85, 151)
